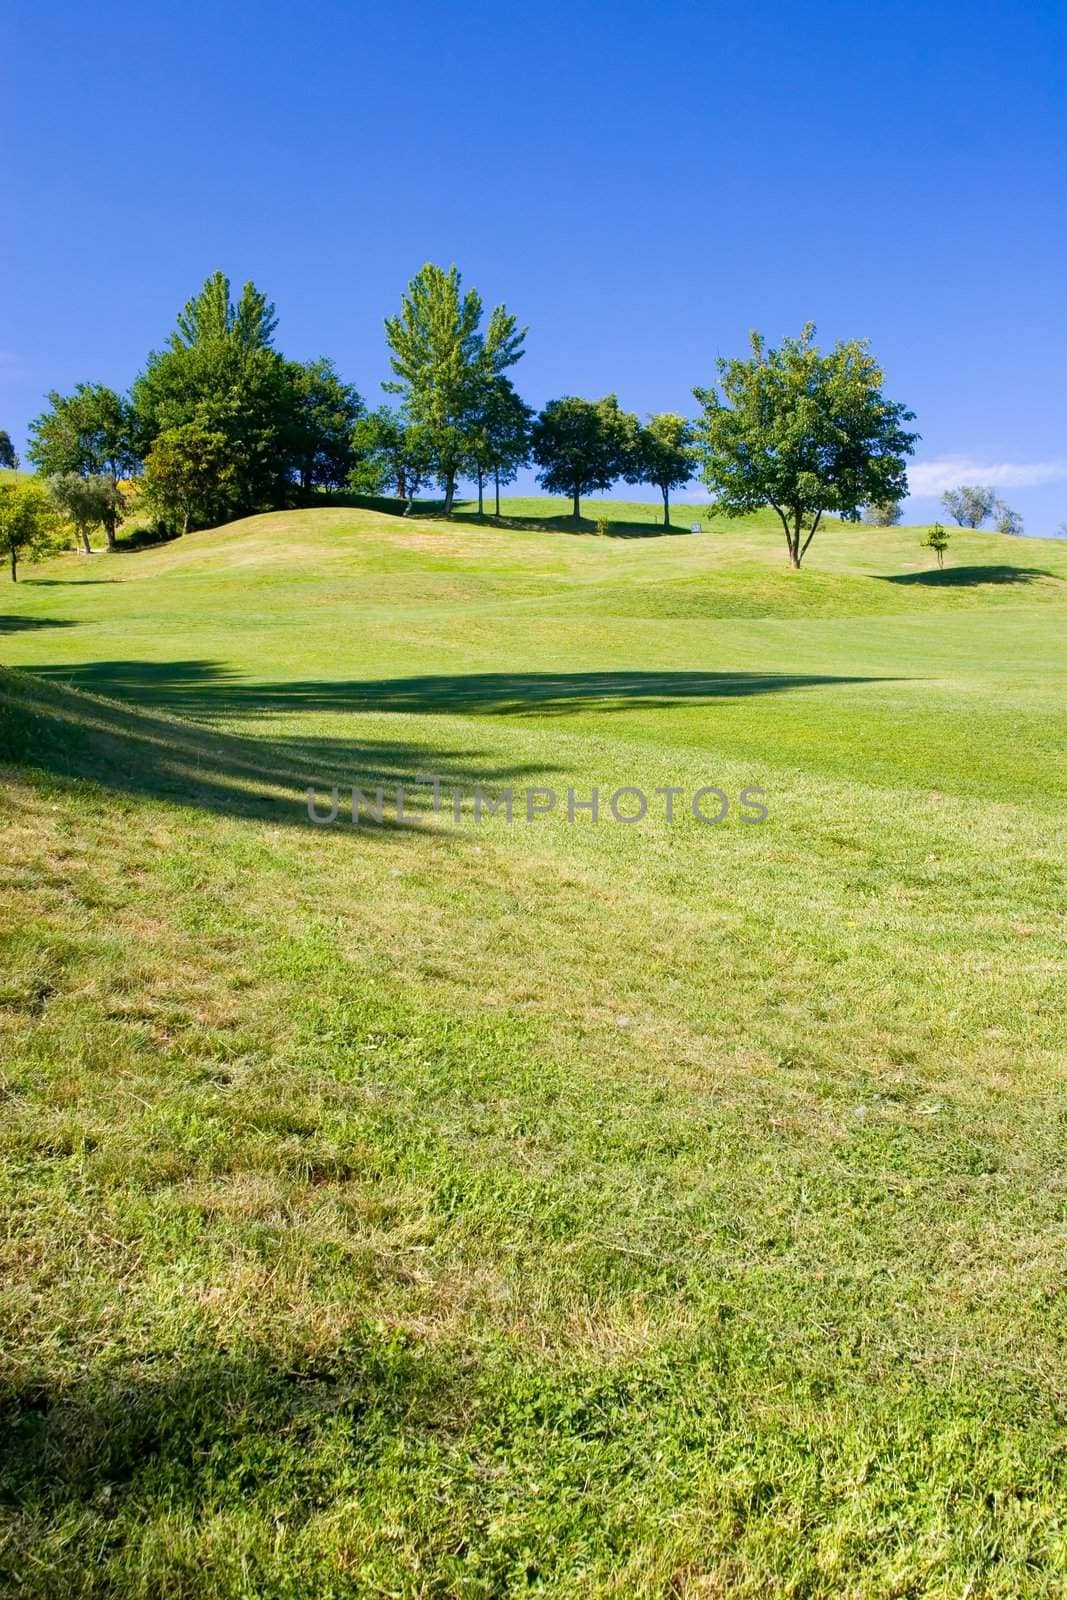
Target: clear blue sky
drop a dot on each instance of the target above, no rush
(642, 183)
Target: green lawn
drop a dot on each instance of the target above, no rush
(546, 1209)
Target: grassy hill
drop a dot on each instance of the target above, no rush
(539, 1207)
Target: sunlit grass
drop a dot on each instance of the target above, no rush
(653, 1210)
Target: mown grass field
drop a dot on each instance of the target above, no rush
(543, 1209)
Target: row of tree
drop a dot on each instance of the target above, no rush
(220, 424)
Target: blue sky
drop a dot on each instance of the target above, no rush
(641, 183)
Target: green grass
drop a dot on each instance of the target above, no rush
(477, 1211)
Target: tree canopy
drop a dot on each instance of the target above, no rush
(444, 366)
(803, 433)
(582, 446)
(28, 520)
(971, 504)
(664, 455)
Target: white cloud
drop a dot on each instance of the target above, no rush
(929, 478)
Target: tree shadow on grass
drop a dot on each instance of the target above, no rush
(567, 524)
(967, 577)
(31, 624)
(133, 750)
(88, 1464)
(202, 690)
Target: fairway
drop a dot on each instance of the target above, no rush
(479, 1208)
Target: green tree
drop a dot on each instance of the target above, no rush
(582, 446)
(971, 504)
(91, 502)
(28, 520)
(388, 451)
(8, 457)
(444, 365)
(221, 373)
(188, 475)
(937, 541)
(1006, 520)
(326, 410)
(90, 432)
(501, 438)
(664, 455)
(882, 513)
(803, 433)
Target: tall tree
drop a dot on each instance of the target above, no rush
(582, 446)
(187, 476)
(28, 519)
(664, 455)
(8, 458)
(803, 433)
(221, 372)
(326, 410)
(444, 364)
(92, 502)
(90, 432)
(971, 504)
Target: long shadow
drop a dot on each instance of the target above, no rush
(44, 727)
(29, 624)
(966, 577)
(203, 689)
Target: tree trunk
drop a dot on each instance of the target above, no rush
(496, 478)
(109, 534)
(185, 522)
(481, 506)
(450, 493)
(666, 510)
(87, 548)
(577, 505)
(14, 563)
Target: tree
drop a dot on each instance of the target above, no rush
(188, 474)
(804, 433)
(27, 519)
(221, 373)
(1007, 520)
(90, 432)
(326, 410)
(501, 438)
(388, 450)
(882, 514)
(937, 541)
(92, 502)
(970, 504)
(8, 458)
(444, 365)
(664, 455)
(582, 446)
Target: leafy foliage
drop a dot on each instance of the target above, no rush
(582, 446)
(664, 455)
(326, 411)
(92, 502)
(882, 513)
(189, 475)
(8, 457)
(970, 505)
(1007, 521)
(28, 520)
(804, 433)
(937, 541)
(445, 367)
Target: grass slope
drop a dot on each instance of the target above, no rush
(484, 1210)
